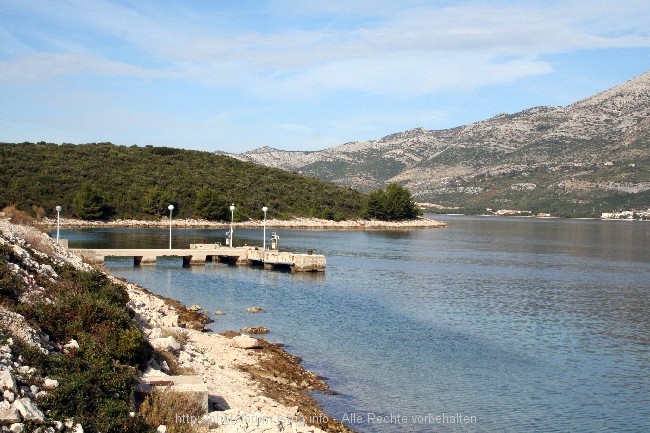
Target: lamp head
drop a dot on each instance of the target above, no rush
(170, 207)
(59, 208)
(264, 209)
(232, 207)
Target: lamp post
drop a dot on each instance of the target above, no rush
(232, 220)
(264, 209)
(171, 208)
(58, 222)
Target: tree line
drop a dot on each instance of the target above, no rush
(107, 181)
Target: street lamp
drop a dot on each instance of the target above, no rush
(264, 209)
(58, 222)
(232, 220)
(171, 208)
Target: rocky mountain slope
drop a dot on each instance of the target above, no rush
(590, 156)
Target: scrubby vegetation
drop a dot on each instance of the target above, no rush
(96, 377)
(103, 180)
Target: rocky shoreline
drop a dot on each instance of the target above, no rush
(294, 223)
(252, 385)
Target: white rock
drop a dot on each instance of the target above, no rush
(169, 320)
(9, 395)
(156, 333)
(72, 344)
(246, 342)
(7, 381)
(168, 343)
(162, 429)
(78, 428)
(28, 409)
(50, 383)
(16, 428)
(9, 416)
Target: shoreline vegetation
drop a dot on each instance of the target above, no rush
(294, 223)
(260, 388)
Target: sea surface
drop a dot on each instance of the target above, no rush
(489, 325)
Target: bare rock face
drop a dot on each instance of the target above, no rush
(598, 144)
(246, 342)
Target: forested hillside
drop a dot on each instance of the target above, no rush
(103, 180)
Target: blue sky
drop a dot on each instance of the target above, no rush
(299, 75)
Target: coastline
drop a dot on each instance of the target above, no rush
(263, 383)
(294, 223)
(255, 389)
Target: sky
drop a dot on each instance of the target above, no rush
(237, 75)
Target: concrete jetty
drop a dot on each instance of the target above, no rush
(207, 253)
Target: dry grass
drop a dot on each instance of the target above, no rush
(180, 412)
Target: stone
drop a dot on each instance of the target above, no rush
(218, 313)
(156, 333)
(255, 330)
(169, 320)
(9, 395)
(78, 428)
(246, 342)
(7, 381)
(72, 344)
(28, 409)
(16, 428)
(168, 343)
(50, 383)
(9, 416)
(195, 307)
(161, 429)
(254, 309)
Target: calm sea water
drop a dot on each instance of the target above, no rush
(490, 325)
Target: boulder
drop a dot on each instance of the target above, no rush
(28, 409)
(72, 344)
(7, 381)
(255, 330)
(246, 342)
(9, 396)
(254, 309)
(9, 416)
(195, 307)
(168, 343)
(50, 383)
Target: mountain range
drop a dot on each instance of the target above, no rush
(587, 157)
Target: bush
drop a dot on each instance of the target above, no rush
(97, 379)
(393, 204)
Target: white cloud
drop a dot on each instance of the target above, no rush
(398, 46)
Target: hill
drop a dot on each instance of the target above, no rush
(140, 182)
(590, 156)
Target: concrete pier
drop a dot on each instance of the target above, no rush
(207, 253)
